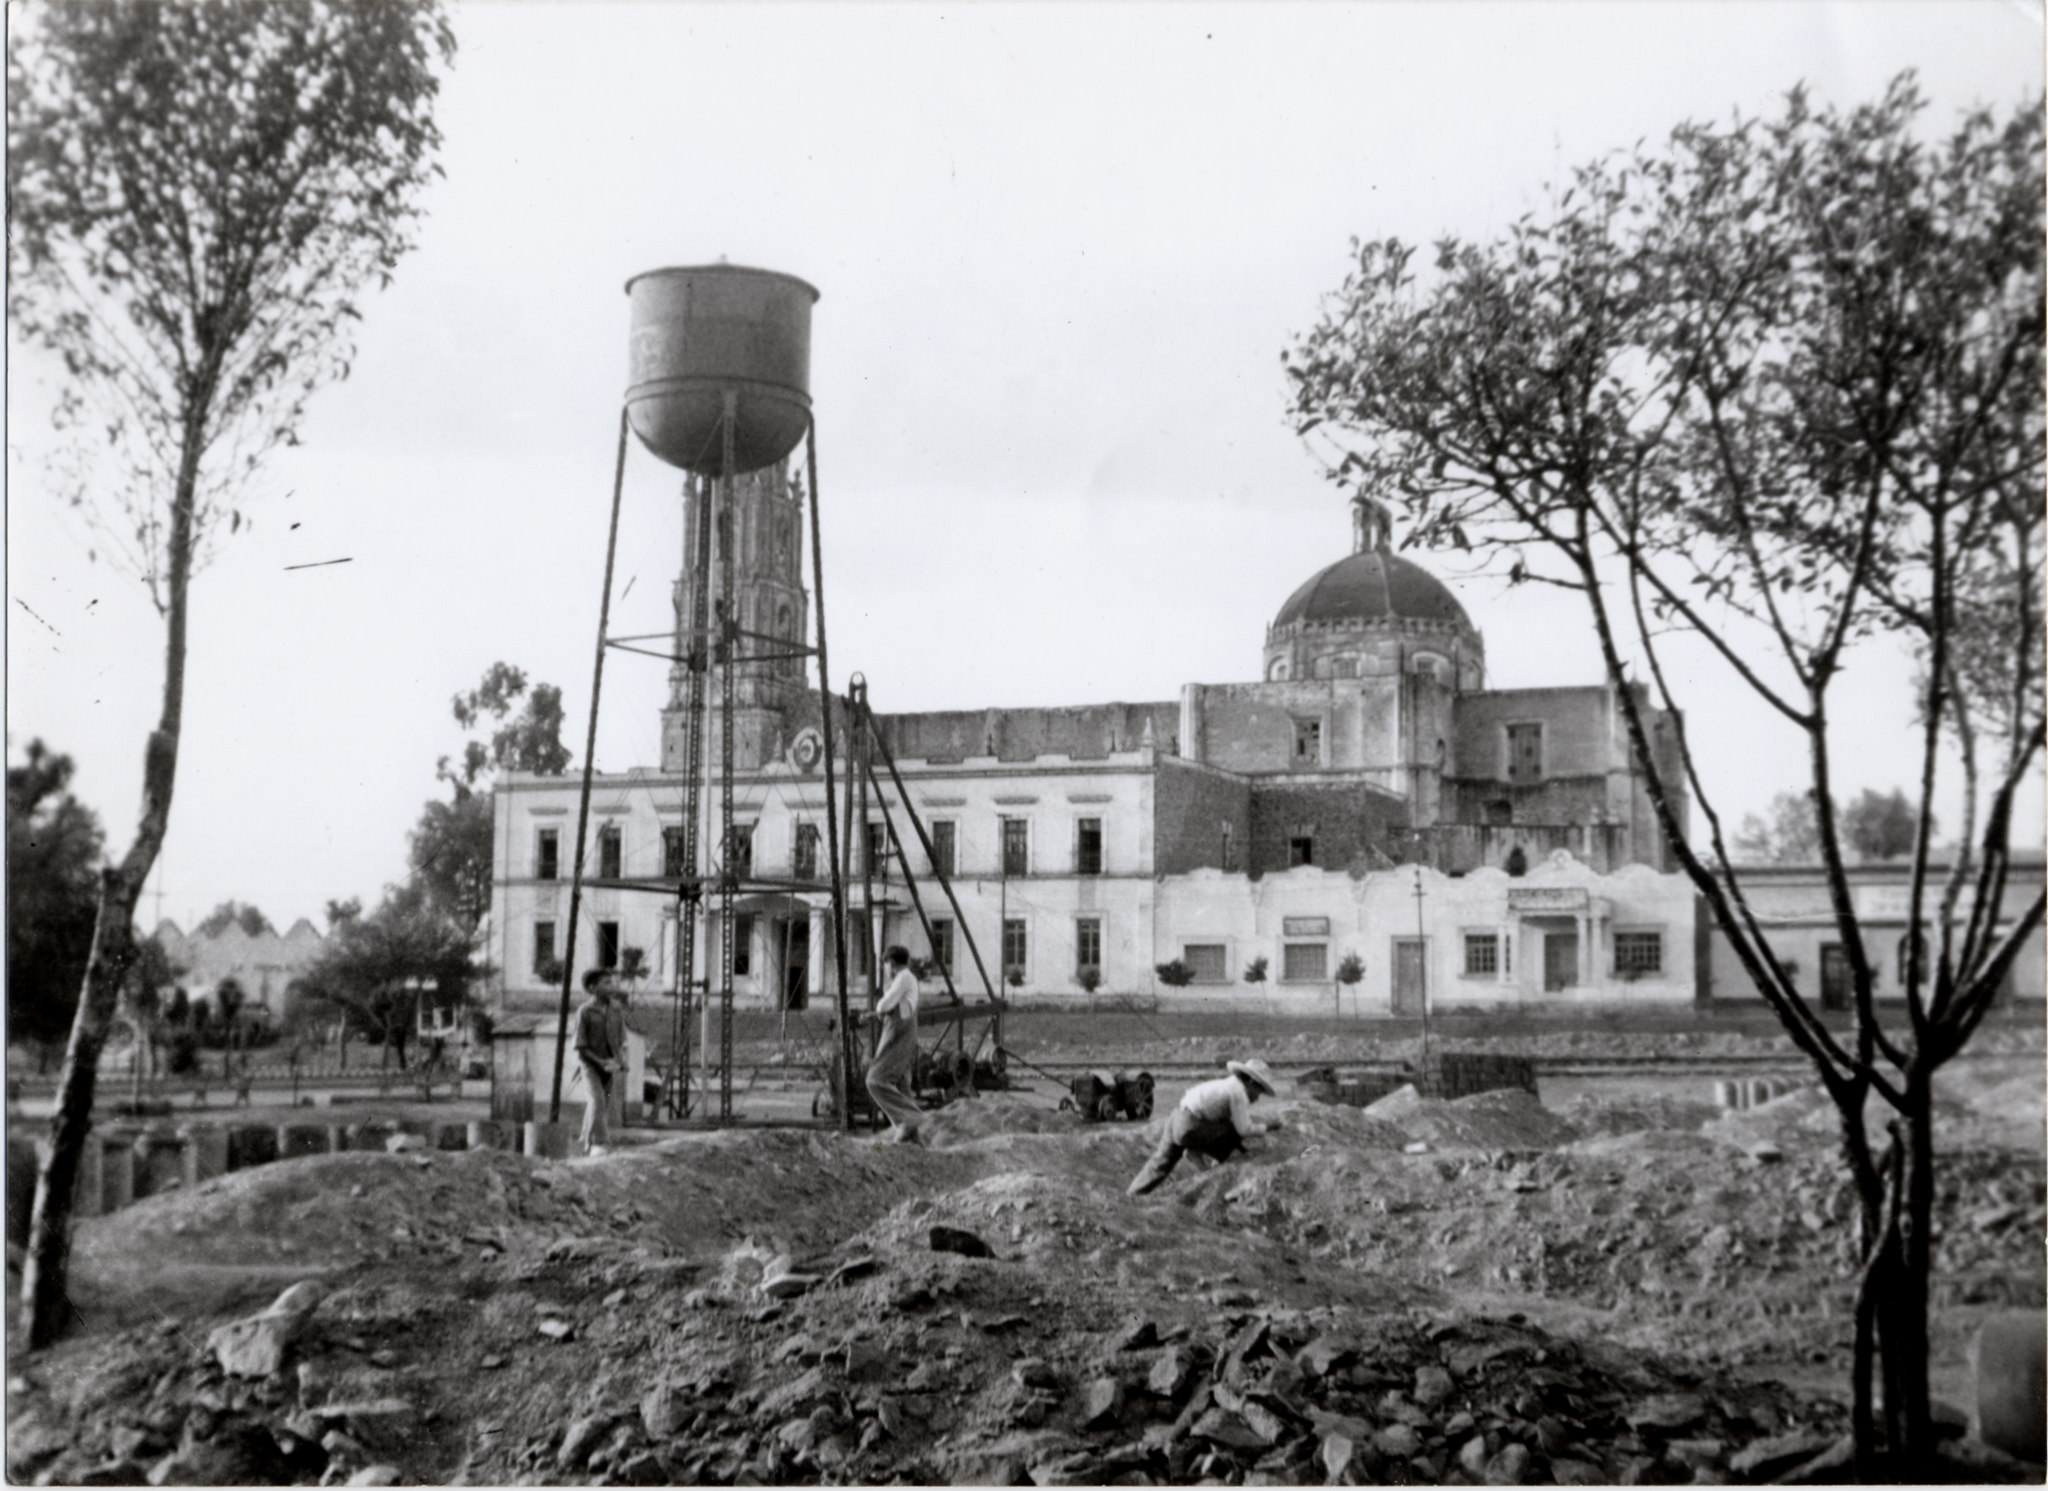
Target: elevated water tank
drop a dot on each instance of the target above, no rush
(703, 332)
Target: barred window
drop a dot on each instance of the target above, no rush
(1638, 952)
(1016, 846)
(1305, 961)
(543, 946)
(611, 852)
(1482, 953)
(804, 857)
(1088, 942)
(1015, 947)
(1206, 961)
(672, 851)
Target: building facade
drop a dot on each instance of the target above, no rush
(1084, 845)
(264, 966)
(1793, 905)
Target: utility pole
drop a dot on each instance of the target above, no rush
(1422, 970)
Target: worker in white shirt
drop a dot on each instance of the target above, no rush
(889, 1075)
(1214, 1118)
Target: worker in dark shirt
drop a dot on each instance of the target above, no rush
(598, 1050)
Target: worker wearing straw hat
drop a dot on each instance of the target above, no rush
(1214, 1118)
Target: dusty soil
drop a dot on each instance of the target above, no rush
(1641, 1290)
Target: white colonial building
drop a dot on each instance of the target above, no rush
(1289, 819)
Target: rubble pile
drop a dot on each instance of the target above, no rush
(1481, 1291)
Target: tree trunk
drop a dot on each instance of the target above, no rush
(1906, 1335)
(43, 1277)
(49, 1236)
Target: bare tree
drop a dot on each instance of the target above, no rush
(1767, 392)
(198, 195)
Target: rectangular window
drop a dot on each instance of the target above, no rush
(877, 848)
(742, 944)
(739, 857)
(543, 946)
(1308, 742)
(1088, 943)
(1482, 954)
(1305, 961)
(1301, 850)
(1638, 953)
(611, 852)
(1016, 846)
(943, 846)
(1229, 850)
(547, 854)
(1015, 948)
(942, 943)
(803, 860)
(1525, 753)
(1207, 961)
(1088, 847)
(672, 851)
(607, 944)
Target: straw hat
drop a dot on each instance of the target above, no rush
(1258, 1071)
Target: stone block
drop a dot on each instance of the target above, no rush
(117, 1171)
(541, 1140)
(486, 1134)
(205, 1153)
(2012, 1394)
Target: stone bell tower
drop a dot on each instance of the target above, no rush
(763, 532)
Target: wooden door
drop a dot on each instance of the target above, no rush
(796, 963)
(1410, 986)
(1560, 961)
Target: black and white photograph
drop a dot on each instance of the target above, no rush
(1026, 743)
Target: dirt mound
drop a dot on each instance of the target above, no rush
(997, 1113)
(1506, 1119)
(1534, 1297)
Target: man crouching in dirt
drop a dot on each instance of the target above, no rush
(1214, 1118)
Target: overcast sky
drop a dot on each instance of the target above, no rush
(1060, 248)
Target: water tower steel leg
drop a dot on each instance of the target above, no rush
(604, 614)
(873, 927)
(728, 543)
(831, 806)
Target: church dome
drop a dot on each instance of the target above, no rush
(1371, 614)
(1374, 585)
